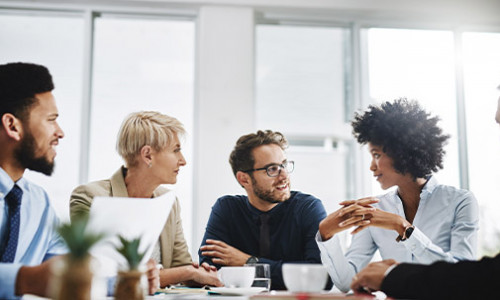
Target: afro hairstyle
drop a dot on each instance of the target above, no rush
(406, 133)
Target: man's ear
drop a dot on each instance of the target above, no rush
(12, 126)
(147, 154)
(243, 178)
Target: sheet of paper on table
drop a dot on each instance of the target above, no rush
(131, 218)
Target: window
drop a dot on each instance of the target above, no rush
(141, 64)
(419, 65)
(481, 76)
(300, 91)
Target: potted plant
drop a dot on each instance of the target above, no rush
(73, 274)
(129, 281)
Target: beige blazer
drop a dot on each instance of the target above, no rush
(174, 250)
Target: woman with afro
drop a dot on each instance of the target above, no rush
(421, 221)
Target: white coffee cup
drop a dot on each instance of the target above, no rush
(240, 277)
(304, 277)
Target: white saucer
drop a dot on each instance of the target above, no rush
(237, 291)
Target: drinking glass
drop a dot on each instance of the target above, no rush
(262, 275)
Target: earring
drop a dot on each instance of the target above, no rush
(150, 164)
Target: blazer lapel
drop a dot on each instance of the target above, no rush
(118, 187)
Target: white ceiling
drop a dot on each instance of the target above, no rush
(431, 13)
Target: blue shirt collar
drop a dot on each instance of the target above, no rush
(429, 187)
(6, 183)
(427, 190)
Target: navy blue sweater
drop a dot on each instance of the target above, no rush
(293, 226)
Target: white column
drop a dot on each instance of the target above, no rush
(224, 105)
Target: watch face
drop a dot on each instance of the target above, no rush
(409, 231)
(252, 260)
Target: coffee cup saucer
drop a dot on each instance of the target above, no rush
(236, 291)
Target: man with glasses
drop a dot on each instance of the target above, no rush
(271, 225)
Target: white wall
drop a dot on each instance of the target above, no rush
(224, 107)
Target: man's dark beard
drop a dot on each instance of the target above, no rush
(264, 195)
(25, 155)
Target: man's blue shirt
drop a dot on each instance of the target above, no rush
(292, 228)
(38, 239)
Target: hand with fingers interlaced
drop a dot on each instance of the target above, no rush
(353, 213)
(385, 220)
(224, 254)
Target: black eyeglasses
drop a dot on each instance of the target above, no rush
(275, 169)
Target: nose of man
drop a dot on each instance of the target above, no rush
(283, 174)
(59, 132)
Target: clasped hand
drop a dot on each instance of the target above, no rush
(353, 213)
(362, 214)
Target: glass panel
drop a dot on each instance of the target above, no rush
(300, 79)
(57, 43)
(320, 173)
(481, 65)
(300, 91)
(417, 64)
(141, 64)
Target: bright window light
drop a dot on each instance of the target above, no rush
(418, 65)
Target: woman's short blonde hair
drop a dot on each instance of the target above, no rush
(146, 128)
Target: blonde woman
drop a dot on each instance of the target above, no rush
(149, 144)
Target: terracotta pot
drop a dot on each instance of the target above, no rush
(71, 279)
(128, 285)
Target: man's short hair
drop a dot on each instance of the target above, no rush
(241, 157)
(407, 134)
(146, 128)
(19, 83)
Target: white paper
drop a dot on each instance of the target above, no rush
(130, 218)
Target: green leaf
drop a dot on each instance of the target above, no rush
(78, 241)
(130, 250)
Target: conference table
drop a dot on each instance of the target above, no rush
(262, 296)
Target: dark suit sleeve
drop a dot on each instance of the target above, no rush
(441, 280)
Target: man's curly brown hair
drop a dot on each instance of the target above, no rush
(406, 133)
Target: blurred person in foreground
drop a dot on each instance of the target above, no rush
(421, 220)
(271, 225)
(441, 280)
(149, 144)
(29, 242)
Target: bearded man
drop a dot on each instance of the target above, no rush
(271, 225)
(28, 137)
